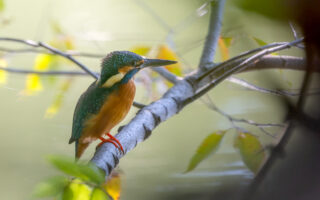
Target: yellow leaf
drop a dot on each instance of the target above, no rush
(42, 62)
(77, 190)
(227, 41)
(141, 50)
(98, 194)
(61, 40)
(3, 73)
(251, 151)
(262, 43)
(58, 100)
(223, 44)
(113, 186)
(33, 84)
(208, 146)
(166, 53)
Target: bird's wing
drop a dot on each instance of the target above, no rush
(88, 104)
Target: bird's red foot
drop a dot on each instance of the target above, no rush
(112, 140)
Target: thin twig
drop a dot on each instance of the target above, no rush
(251, 86)
(51, 73)
(234, 120)
(53, 50)
(295, 34)
(210, 46)
(166, 74)
(58, 52)
(69, 52)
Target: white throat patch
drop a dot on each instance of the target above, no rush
(113, 80)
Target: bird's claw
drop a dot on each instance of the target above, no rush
(112, 140)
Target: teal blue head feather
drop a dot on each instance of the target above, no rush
(117, 60)
(128, 64)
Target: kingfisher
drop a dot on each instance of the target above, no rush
(108, 100)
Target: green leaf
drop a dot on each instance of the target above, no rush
(66, 165)
(262, 43)
(1, 5)
(227, 40)
(209, 145)
(273, 9)
(93, 173)
(51, 187)
(86, 172)
(259, 41)
(98, 194)
(251, 151)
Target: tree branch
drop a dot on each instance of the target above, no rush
(277, 92)
(37, 51)
(53, 50)
(210, 46)
(237, 68)
(166, 74)
(107, 156)
(51, 73)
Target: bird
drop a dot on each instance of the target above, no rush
(108, 100)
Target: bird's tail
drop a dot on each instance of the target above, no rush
(76, 149)
(80, 147)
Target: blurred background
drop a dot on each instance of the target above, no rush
(36, 115)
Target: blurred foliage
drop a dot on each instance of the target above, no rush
(58, 100)
(51, 187)
(208, 146)
(164, 52)
(45, 62)
(224, 43)
(251, 150)
(1, 5)
(3, 74)
(86, 172)
(79, 182)
(261, 43)
(273, 9)
(113, 185)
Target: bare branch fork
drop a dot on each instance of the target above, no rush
(185, 90)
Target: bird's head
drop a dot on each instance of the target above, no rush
(123, 65)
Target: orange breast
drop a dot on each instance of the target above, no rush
(116, 107)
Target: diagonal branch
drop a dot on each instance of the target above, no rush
(69, 57)
(238, 68)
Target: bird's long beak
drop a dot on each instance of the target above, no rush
(156, 63)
